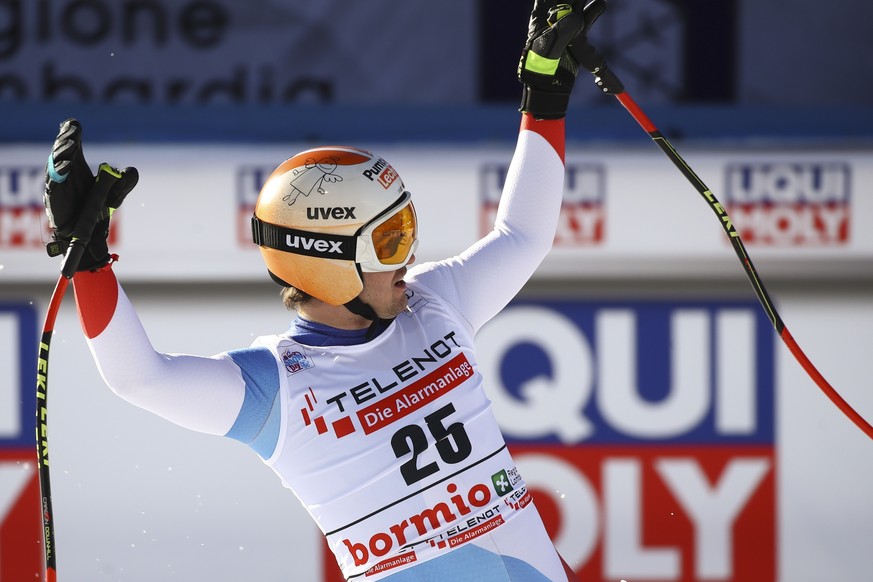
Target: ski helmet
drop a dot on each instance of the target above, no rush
(329, 213)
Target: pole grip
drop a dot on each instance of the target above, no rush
(92, 212)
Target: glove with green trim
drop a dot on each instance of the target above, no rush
(79, 205)
(587, 56)
(546, 68)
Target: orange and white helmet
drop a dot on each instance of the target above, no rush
(329, 213)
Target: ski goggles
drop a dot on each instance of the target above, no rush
(389, 240)
(386, 243)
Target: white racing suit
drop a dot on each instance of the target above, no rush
(390, 444)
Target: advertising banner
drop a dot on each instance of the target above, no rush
(260, 52)
(626, 213)
(647, 429)
(663, 437)
(20, 523)
(789, 204)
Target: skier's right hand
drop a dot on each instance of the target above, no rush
(79, 205)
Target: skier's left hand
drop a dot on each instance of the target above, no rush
(556, 41)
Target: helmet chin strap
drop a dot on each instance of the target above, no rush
(358, 307)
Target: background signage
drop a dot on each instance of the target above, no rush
(20, 523)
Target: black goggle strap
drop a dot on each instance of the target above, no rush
(302, 242)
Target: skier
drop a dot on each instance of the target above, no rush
(370, 408)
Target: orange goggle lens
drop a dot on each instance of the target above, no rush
(393, 238)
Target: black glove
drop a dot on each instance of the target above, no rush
(546, 69)
(588, 58)
(79, 205)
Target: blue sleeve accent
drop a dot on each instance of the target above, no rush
(258, 422)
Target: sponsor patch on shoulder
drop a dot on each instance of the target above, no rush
(294, 357)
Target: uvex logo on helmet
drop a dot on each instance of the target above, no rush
(337, 213)
(381, 172)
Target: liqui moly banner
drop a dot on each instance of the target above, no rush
(791, 204)
(23, 225)
(20, 523)
(582, 221)
(646, 430)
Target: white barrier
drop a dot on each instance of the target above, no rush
(627, 213)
